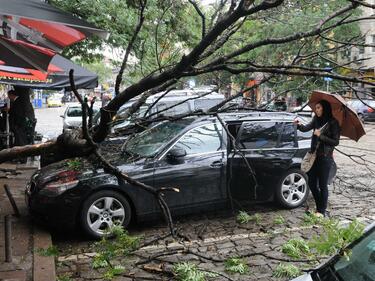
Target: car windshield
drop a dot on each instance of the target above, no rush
(151, 141)
(360, 265)
(74, 112)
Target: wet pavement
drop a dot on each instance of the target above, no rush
(22, 232)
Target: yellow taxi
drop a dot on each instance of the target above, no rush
(54, 102)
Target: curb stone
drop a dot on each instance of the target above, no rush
(43, 267)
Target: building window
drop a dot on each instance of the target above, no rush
(361, 49)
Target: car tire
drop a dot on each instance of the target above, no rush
(292, 189)
(102, 210)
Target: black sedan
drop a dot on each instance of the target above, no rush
(195, 155)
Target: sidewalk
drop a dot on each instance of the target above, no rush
(26, 264)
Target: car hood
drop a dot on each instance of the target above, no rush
(88, 167)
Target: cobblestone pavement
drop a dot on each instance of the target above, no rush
(209, 239)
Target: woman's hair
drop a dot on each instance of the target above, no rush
(327, 110)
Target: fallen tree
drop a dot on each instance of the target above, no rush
(222, 48)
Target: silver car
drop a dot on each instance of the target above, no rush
(72, 117)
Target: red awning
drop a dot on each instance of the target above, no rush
(39, 23)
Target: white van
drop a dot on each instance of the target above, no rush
(170, 104)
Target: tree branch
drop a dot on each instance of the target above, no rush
(141, 19)
(200, 13)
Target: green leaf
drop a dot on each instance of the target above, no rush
(99, 261)
(279, 220)
(48, 252)
(113, 272)
(286, 271)
(296, 248)
(243, 217)
(64, 277)
(335, 237)
(187, 271)
(236, 265)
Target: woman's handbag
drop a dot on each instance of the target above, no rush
(309, 159)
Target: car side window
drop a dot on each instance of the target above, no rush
(203, 139)
(173, 108)
(304, 135)
(256, 135)
(205, 103)
(288, 136)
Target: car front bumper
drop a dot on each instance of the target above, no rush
(369, 116)
(60, 211)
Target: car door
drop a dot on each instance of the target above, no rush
(200, 174)
(269, 147)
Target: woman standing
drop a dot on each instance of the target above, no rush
(324, 140)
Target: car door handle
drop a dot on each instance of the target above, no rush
(217, 164)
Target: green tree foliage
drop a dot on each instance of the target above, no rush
(103, 71)
(170, 27)
(293, 17)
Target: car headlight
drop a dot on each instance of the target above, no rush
(60, 183)
(57, 188)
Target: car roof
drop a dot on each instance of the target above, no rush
(233, 117)
(177, 96)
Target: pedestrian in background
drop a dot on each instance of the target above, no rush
(21, 117)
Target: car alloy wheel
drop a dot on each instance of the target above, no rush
(103, 210)
(293, 189)
(104, 213)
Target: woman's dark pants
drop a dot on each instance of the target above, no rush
(318, 181)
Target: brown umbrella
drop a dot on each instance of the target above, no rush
(351, 125)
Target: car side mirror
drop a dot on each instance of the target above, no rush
(176, 155)
(62, 116)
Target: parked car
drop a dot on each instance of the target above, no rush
(72, 117)
(303, 110)
(173, 103)
(364, 112)
(192, 154)
(54, 101)
(358, 266)
(277, 105)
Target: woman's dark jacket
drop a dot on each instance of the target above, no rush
(329, 137)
